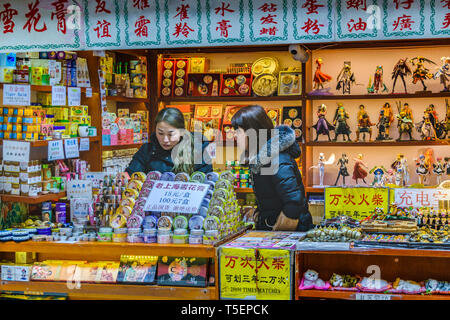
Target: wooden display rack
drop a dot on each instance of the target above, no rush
(102, 251)
(393, 263)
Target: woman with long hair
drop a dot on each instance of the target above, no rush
(171, 148)
(277, 183)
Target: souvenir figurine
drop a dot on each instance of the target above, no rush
(421, 73)
(378, 173)
(447, 165)
(401, 69)
(444, 73)
(345, 78)
(384, 122)
(319, 79)
(405, 122)
(321, 166)
(439, 169)
(340, 121)
(378, 83)
(400, 167)
(426, 129)
(422, 169)
(342, 163)
(322, 126)
(447, 118)
(360, 169)
(389, 177)
(364, 124)
(438, 126)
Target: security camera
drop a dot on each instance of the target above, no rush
(298, 53)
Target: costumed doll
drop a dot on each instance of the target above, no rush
(364, 124)
(426, 128)
(401, 171)
(321, 166)
(345, 78)
(340, 121)
(378, 173)
(322, 126)
(378, 83)
(422, 169)
(384, 122)
(342, 164)
(360, 169)
(320, 78)
(439, 169)
(401, 69)
(421, 73)
(444, 73)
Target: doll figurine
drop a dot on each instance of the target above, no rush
(342, 164)
(401, 69)
(345, 78)
(364, 124)
(405, 121)
(322, 126)
(360, 169)
(444, 73)
(447, 118)
(389, 177)
(422, 169)
(421, 73)
(401, 172)
(340, 121)
(384, 122)
(438, 169)
(426, 129)
(320, 78)
(378, 173)
(447, 165)
(378, 83)
(321, 166)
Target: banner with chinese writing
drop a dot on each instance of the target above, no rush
(46, 25)
(357, 203)
(408, 197)
(259, 274)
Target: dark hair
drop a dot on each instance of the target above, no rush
(251, 117)
(172, 116)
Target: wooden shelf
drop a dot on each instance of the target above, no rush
(379, 96)
(384, 252)
(112, 291)
(44, 143)
(230, 98)
(351, 295)
(122, 146)
(40, 88)
(33, 200)
(314, 190)
(390, 143)
(243, 190)
(125, 99)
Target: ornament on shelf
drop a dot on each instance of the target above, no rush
(444, 73)
(360, 169)
(340, 121)
(342, 164)
(439, 169)
(364, 124)
(384, 122)
(345, 78)
(321, 166)
(378, 83)
(322, 125)
(421, 73)
(401, 171)
(401, 69)
(378, 174)
(405, 121)
(319, 79)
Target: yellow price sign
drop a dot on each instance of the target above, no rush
(357, 203)
(262, 274)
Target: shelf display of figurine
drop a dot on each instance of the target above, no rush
(426, 128)
(385, 120)
(402, 70)
(343, 171)
(321, 163)
(422, 169)
(439, 169)
(340, 121)
(378, 174)
(401, 171)
(359, 169)
(322, 125)
(364, 124)
(444, 73)
(378, 84)
(421, 73)
(345, 78)
(405, 121)
(320, 79)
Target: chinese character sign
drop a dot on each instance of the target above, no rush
(357, 203)
(313, 19)
(225, 21)
(13, 150)
(16, 95)
(263, 274)
(79, 189)
(102, 23)
(268, 20)
(183, 21)
(440, 17)
(403, 17)
(357, 19)
(142, 22)
(417, 198)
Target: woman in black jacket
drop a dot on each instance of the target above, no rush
(171, 148)
(277, 181)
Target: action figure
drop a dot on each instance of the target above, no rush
(444, 73)
(447, 118)
(405, 121)
(439, 169)
(384, 122)
(422, 169)
(425, 128)
(340, 121)
(320, 78)
(360, 169)
(401, 171)
(345, 78)
(342, 163)
(388, 178)
(378, 173)
(364, 124)
(439, 127)
(378, 83)
(321, 166)
(421, 73)
(447, 165)
(322, 126)
(400, 69)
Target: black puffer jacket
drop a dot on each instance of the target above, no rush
(152, 157)
(282, 189)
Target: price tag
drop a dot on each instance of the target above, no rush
(172, 196)
(84, 144)
(74, 96)
(16, 95)
(89, 92)
(370, 296)
(96, 177)
(16, 151)
(81, 189)
(71, 148)
(58, 96)
(55, 150)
